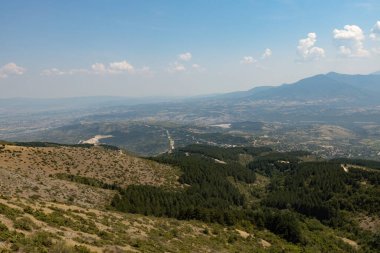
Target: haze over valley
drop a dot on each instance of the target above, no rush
(331, 115)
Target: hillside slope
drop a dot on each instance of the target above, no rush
(83, 198)
(52, 200)
(39, 172)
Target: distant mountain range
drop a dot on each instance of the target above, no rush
(333, 87)
(328, 97)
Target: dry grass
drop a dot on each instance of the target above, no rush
(369, 223)
(30, 172)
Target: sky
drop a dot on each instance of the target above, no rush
(140, 48)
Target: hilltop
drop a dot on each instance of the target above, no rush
(38, 170)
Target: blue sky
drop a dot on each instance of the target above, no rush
(176, 48)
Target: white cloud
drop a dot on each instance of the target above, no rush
(198, 67)
(185, 56)
(183, 64)
(11, 69)
(113, 68)
(120, 67)
(248, 60)
(375, 31)
(176, 67)
(58, 72)
(99, 68)
(349, 32)
(96, 68)
(351, 41)
(267, 53)
(306, 49)
(52, 72)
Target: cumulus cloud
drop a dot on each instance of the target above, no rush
(350, 40)
(306, 49)
(198, 67)
(112, 68)
(176, 67)
(96, 68)
(99, 68)
(11, 69)
(59, 72)
(52, 72)
(375, 31)
(185, 56)
(183, 64)
(120, 67)
(248, 60)
(267, 53)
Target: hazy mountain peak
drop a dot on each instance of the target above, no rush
(332, 86)
(312, 79)
(333, 73)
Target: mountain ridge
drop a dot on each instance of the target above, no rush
(330, 86)
(322, 86)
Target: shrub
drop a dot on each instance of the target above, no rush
(285, 224)
(24, 223)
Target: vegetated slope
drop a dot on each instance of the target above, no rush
(52, 200)
(34, 226)
(234, 193)
(37, 170)
(222, 190)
